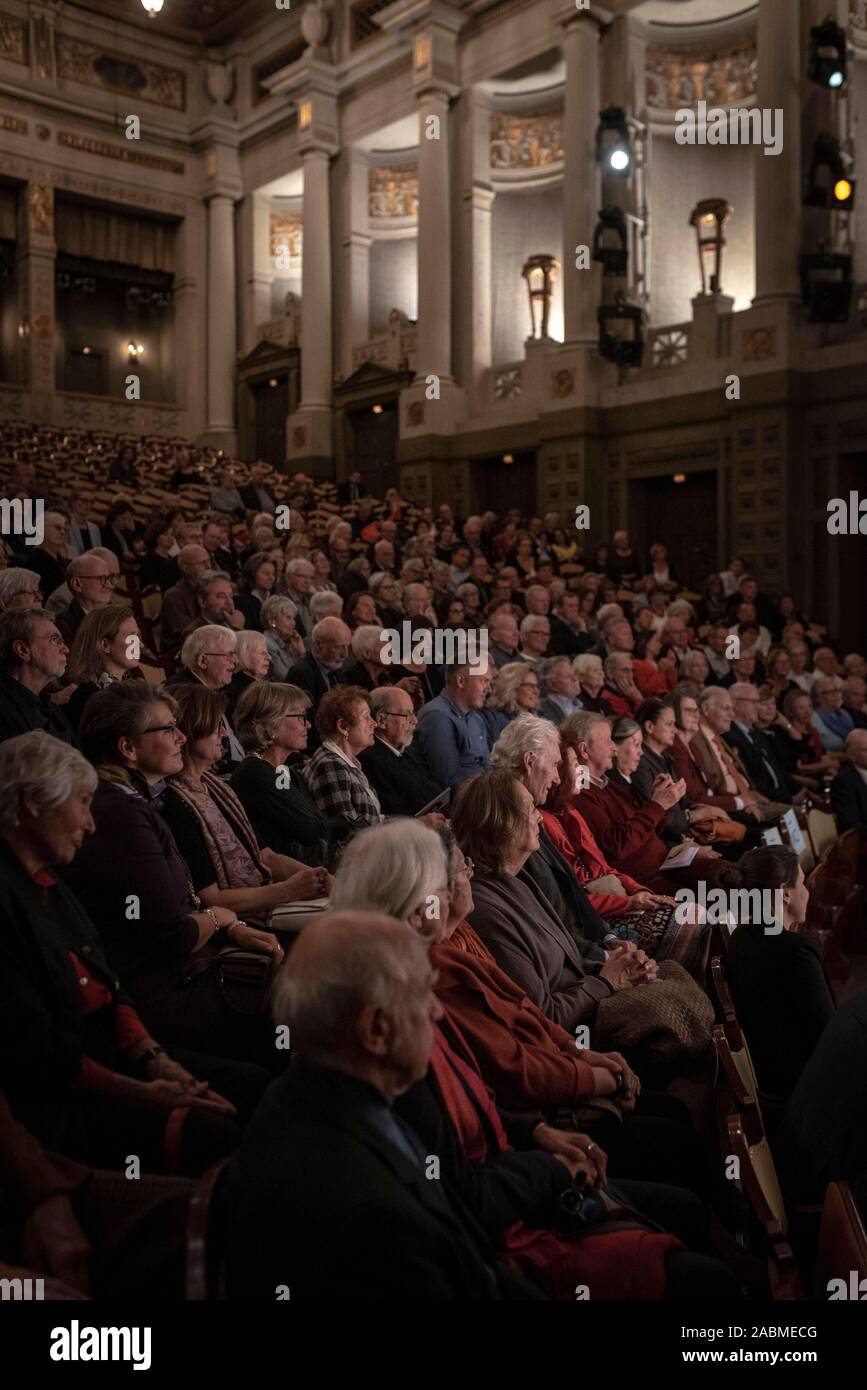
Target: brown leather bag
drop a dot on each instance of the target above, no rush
(669, 1018)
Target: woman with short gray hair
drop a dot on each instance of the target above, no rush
(591, 678)
(399, 868)
(285, 647)
(19, 588)
(79, 1066)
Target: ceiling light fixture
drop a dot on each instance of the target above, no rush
(153, 7)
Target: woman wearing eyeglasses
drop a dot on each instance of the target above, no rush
(516, 690)
(272, 724)
(131, 878)
(106, 648)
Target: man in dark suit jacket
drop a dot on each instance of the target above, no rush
(567, 638)
(327, 1198)
(321, 668)
(756, 751)
(351, 489)
(849, 787)
(393, 765)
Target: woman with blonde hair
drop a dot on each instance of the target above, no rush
(106, 648)
(516, 690)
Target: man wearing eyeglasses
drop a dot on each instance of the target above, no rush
(393, 765)
(32, 655)
(91, 585)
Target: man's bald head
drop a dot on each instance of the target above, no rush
(356, 994)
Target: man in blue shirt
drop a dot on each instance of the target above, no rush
(451, 732)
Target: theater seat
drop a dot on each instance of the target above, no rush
(760, 1184)
(204, 1277)
(842, 1246)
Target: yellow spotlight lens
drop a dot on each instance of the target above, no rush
(842, 190)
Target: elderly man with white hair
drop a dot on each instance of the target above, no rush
(393, 764)
(32, 655)
(322, 668)
(180, 607)
(327, 1198)
(91, 586)
(298, 578)
(535, 633)
(209, 655)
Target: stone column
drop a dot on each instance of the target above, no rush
(190, 365)
(36, 257)
(258, 276)
(580, 175)
(222, 326)
(778, 177)
(316, 336)
(434, 350)
(354, 305)
(473, 271)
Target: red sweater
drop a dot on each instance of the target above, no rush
(574, 839)
(529, 1062)
(625, 830)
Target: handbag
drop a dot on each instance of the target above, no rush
(669, 1018)
(717, 832)
(598, 1210)
(242, 977)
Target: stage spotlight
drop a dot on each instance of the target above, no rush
(827, 55)
(829, 184)
(609, 242)
(613, 146)
(826, 285)
(621, 332)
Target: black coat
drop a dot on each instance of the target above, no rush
(772, 783)
(783, 1001)
(44, 1033)
(403, 784)
(286, 819)
(322, 1202)
(349, 492)
(21, 711)
(849, 799)
(565, 641)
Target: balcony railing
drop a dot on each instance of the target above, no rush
(669, 346)
(394, 349)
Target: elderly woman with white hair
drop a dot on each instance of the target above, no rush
(254, 664)
(19, 588)
(285, 646)
(591, 678)
(79, 1066)
(404, 869)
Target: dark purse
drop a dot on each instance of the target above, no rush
(243, 977)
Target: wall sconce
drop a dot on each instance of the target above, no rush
(827, 281)
(709, 217)
(377, 409)
(609, 242)
(621, 332)
(24, 328)
(678, 478)
(827, 64)
(613, 146)
(540, 273)
(153, 7)
(133, 352)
